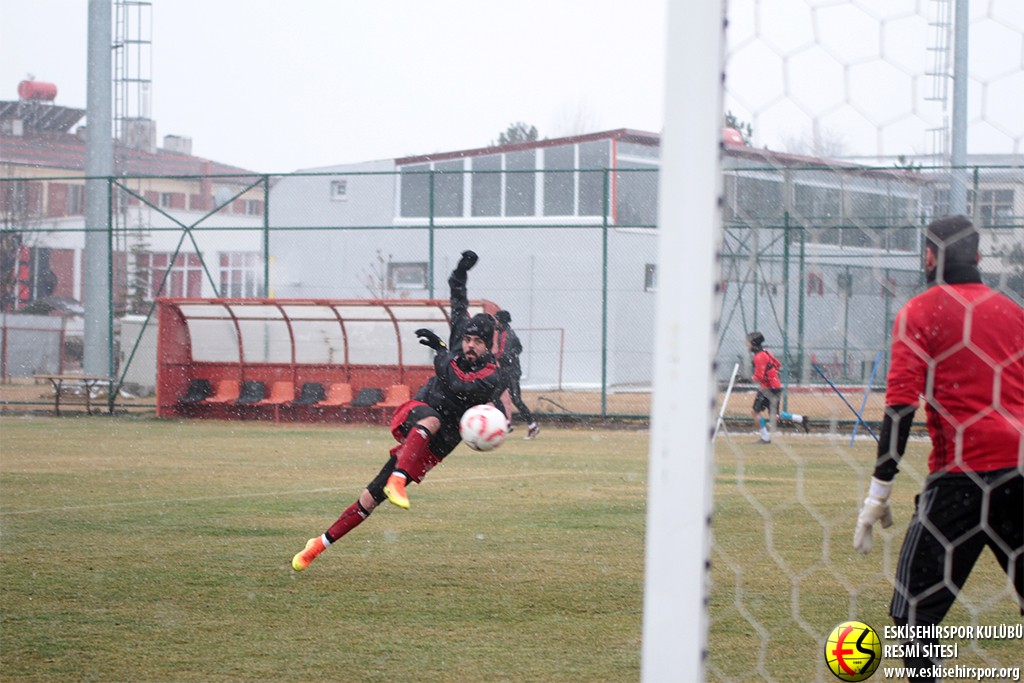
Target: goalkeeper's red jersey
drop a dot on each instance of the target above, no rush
(961, 347)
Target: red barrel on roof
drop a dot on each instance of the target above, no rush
(731, 136)
(37, 90)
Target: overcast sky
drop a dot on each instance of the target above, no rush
(275, 86)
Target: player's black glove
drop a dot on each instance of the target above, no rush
(468, 260)
(428, 338)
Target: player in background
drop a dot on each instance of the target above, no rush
(507, 349)
(769, 390)
(427, 426)
(960, 345)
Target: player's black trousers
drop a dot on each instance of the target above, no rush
(956, 516)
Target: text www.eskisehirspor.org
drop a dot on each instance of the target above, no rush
(974, 673)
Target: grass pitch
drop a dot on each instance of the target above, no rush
(143, 550)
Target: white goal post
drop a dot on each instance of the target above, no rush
(682, 413)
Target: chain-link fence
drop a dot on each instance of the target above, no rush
(817, 258)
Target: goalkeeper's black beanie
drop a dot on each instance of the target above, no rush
(756, 340)
(955, 237)
(481, 325)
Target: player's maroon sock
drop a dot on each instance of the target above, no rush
(352, 517)
(414, 457)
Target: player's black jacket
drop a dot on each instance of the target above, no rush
(459, 384)
(509, 348)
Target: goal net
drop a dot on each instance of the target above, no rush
(849, 126)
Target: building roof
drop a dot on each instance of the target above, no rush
(622, 134)
(66, 152)
(737, 152)
(44, 142)
(40, 116)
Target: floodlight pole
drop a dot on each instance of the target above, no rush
(99, 166)
(958, 132)
(682, 415)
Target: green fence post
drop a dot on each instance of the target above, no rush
(890, 292)
(604, 296)
(430, 237)
(110, 296)
(801, 316)
(756, 249)
(785, 308)
(847, 294)
(266, 236)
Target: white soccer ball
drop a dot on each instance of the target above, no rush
(483, 427)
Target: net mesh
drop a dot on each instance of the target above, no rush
(845, 110)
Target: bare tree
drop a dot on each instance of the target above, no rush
(379, 281)
(576, 119)
(825, 143)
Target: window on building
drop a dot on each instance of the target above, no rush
(594, 157)
(632, 149)
(407, 275)
(817, 205)
(860, 236)
(184, 277)
(940, 201)
(240, 274)
(903, 214)
(755, 200)
(573, 178)
(650, 277)
(76, 200)
(559, 181)
(253, 207)
(636, 195)
(339, 190)
(994, 207)
(868, 208)
(449, 181)
(486, 186)
(21, 199)
(415, 187)
(166, 198)
(902, 238)
(521, 183)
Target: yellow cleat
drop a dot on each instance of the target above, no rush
(314, 547)
(395, 491)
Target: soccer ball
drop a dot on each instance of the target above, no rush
(483, 427)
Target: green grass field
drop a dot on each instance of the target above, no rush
(144, 550)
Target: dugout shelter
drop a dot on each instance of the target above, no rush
(294, 360)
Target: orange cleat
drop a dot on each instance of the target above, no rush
(314, 547)
(395, 491)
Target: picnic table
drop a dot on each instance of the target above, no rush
(88, 382)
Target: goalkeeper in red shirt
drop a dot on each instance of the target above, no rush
(960, 346)
(769, 390)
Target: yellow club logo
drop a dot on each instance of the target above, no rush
(853, 651)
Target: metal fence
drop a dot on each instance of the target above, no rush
(819, 259)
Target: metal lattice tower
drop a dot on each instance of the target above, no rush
(940, 76)
(133, 126)
(133, 63)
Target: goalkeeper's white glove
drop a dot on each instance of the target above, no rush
(875, 508)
